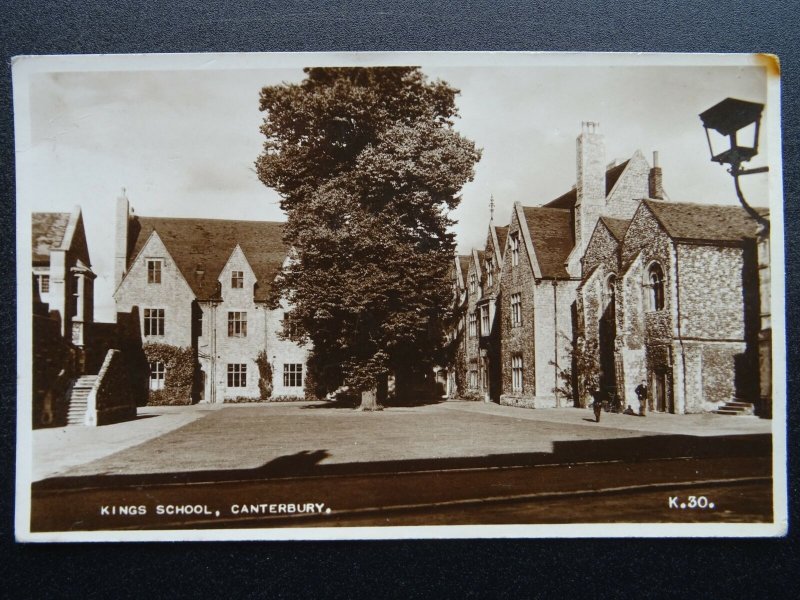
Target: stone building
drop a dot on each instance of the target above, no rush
(63, 311)
(454, 374)
(474, 376)
(542, 269)
(62, 272)
(671, 297)
(201, 287)
(482, 347)
(79, 374)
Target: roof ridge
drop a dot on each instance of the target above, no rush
(135, 216)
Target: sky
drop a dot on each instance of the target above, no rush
(182, 136)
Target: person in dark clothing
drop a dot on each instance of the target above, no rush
(641, 394)
(597, 404)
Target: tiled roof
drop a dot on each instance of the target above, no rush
(705, 222)
(613, 174)
(463, 261)
(617, 227)
(569, 199)
(502, 234)
(47, 232)
(553, 238)
(202, 247)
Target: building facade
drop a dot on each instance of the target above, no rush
(202, 288)
(62, 272)
(671, 298)
(543, 268)
(63, 311)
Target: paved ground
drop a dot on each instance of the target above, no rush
(314, 438)
(60, 449)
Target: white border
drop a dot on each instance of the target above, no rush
(24, 67)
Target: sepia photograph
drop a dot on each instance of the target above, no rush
(399, 295)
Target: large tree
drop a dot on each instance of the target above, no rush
(368, 166)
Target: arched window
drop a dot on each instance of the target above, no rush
(609, 291)
(655, 276)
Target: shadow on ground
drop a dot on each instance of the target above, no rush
(307, 462)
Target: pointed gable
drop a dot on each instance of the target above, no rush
(617, 227)
(613, 174)
(202, 247)
(463, 263)
(501, 234)
(552, 236)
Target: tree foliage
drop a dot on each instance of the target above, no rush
(368, 166)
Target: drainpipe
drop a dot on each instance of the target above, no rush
(212, 342)
(555, 342)
(678, 321)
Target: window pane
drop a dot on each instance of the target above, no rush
(153, 271)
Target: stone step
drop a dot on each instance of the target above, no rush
(733, 412)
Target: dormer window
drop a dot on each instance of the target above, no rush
(489, 275)
(237, 279)
(154, 270)
(44, 284)
(472, 283)
(514, 239)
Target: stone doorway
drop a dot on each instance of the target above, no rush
(661, 393)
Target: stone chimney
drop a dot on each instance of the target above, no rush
(590, 182)
(121, 230)
(656, 190)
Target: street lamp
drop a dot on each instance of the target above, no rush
(740, 122)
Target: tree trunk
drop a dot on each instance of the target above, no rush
(369, 400)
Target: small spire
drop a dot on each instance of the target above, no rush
(491, 208)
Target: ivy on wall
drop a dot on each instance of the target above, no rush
(264, 375)
(179, 364)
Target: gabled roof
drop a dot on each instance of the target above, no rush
(704, 222)
(47, 232)
(613, 174)
(617, 227)
(502, 235)
(463, 263)
(553, 238)
(201, 249)
(569, 199)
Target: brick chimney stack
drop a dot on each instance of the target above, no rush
(656, 189)
(121, 228)
(591, 182)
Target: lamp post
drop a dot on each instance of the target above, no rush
(740, 122)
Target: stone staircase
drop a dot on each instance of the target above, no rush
(736, 408)
(78, 398)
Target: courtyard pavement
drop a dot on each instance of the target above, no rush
(206, 442)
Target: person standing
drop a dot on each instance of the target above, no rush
(641, 394)
(597, 404)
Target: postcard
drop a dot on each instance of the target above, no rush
(399, 295)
